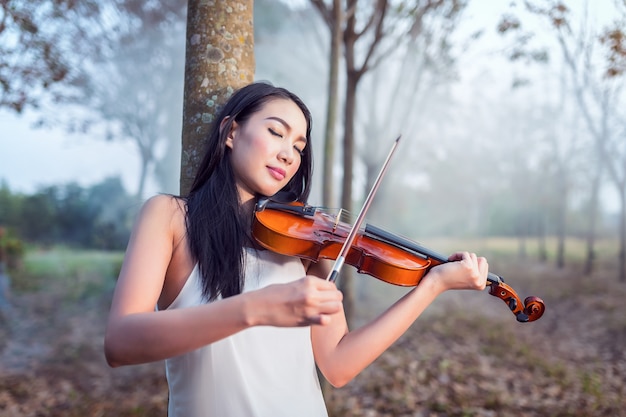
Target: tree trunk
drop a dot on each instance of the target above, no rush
(521, 248)
(333, 103)
(219, 60)
(593, 217)
(622, 236)
(561, 225)
(346, 283)
(542, 246)
(353, 76)
(142, 177)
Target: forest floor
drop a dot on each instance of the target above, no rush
(466, 356)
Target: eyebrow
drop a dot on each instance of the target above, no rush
(284, 123)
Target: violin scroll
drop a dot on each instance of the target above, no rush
(532, 309)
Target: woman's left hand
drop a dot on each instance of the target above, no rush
(465, 271)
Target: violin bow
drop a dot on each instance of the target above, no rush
(334, 273)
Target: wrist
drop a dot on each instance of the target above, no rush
(250, 309)
(433, 282)
(257, 308)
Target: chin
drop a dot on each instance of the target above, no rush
(269, 191)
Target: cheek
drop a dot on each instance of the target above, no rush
(256, 145)
(263, 146)
(294, 168)
(250, 149)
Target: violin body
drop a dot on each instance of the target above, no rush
(319, 237)
(295, 229)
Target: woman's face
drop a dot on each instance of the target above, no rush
(266, 148)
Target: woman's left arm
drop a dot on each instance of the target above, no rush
(341, 355)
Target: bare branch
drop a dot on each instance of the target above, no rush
(325, 11)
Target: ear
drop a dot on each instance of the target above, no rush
(231, 133)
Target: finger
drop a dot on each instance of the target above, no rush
(322, 284)
(312, 320)
(482, 263)
(319, 320)
(483, 266)
(327, 290)
(457, 256)
(474, 259)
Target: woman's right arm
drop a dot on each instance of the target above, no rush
(136, 333)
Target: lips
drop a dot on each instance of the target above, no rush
(277, 173)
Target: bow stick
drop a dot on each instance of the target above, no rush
(332, 276)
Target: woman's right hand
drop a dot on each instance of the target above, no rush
(307, 301)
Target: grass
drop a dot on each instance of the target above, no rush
(509, 248)
(76, 273)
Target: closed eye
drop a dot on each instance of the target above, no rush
(278, 135)
(300, 151)
(275, 133)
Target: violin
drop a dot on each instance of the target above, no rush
(308, 232)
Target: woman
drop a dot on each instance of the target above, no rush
(241, 329)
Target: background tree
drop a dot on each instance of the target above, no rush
(142, 103)
(402, 94)
(41, 46)
(83, 55)
(139, 103)
(597, 91)
(333, 16)
(597, 99)
(97, 217)
(219, 60)
(613, 39)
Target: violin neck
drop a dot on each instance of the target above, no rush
(415, 248)
(403, 243)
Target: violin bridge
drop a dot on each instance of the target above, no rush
(337, 219)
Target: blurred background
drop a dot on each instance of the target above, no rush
(513, 120)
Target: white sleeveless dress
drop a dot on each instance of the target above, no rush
(259, 372)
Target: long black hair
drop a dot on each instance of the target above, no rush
(217, 228)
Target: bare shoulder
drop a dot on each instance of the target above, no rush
(163, 212)
(163, 206)
(164, 202)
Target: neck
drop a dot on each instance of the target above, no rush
(247, 206)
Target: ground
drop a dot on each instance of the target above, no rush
(466, 356)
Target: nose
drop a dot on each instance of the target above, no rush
(287, 154)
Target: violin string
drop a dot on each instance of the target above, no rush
(339, 215)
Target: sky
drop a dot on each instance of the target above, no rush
(31, 158)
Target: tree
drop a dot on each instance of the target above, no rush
(403, 94)
(96, 217)
(41, 46)
(614, 40)
(10, 206)
(46, 46)
(84, 55)
(334, 18)
(219, 60)
(114, 213)
(141, 103)
(37, 222)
